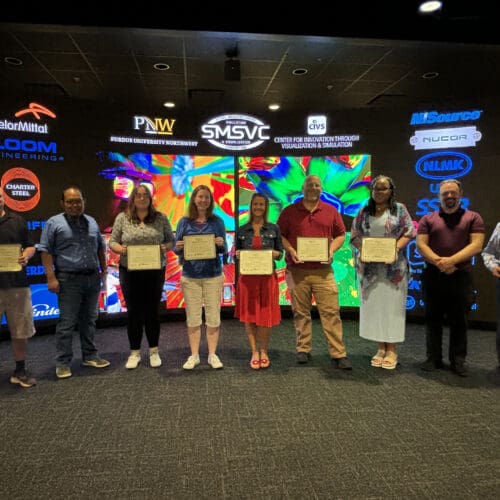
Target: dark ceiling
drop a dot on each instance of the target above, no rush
(355, 55)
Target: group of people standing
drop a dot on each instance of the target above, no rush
(73, 254)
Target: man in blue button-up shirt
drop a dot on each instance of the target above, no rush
(73, 254)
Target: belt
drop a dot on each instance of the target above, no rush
(83, 272)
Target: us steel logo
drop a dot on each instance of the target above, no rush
(235, 132)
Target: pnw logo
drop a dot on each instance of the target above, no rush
(154, 126)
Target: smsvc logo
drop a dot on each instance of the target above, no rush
(431, 117)
(316, 125)
(443, 165)
(235, 132)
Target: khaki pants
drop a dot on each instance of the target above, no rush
(303, 284)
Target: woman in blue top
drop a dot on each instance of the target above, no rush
(202, 279)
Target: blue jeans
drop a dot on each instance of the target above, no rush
(78, 309)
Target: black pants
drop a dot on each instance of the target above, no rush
(142, 291)
(450, 296)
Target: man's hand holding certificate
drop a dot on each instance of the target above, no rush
(9, 258)
(313, 249)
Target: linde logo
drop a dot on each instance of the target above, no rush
(154, 126)
(316, 125)
(34, 109)
(444, 138)
(443, 165)
(45, 304)
(430, 117)
(235, 132)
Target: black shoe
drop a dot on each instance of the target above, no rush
(303, 357)
(459, 368)
(494, 376)
(342, 363)
(429, 365)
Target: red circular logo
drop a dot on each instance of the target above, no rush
(21, 189)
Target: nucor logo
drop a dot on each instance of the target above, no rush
(443, 165)
(235, 132)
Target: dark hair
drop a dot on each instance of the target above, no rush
(266, 211)
(193, 210)
(131, 210)
(71, 186)
(370, 206)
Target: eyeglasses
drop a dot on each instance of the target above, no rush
(141, 196)
(381, 190)
(73, 202)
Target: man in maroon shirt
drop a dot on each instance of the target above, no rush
(447, 239)
(312, 217)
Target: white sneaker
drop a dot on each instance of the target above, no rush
(133, 360)
(215, 362)
(191, 362)
(154, 359)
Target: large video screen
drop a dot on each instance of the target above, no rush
(345, 181)
(172, 179)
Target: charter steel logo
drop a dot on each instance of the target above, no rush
(35, 109)
(154, 126)
(444, 165)
(431, 117)
(235, 132)
(21, 189)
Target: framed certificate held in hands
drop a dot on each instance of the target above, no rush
(256, 262)
(313, 249)
(9, 258)
(143, 257)
(378, 249)
(199, 246)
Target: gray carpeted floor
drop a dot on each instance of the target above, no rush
(288, 432)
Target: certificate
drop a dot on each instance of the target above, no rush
(256, 262)
(9, 258)
(143, 257)
(378, 249)
(313, 249)
(199, 246)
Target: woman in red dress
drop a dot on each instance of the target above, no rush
(257, 296)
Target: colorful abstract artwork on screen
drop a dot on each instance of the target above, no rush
(172, 179)
(345, 180)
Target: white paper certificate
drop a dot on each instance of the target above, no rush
(199, 246)
(143, 257)
(9, 258)
(256, 262)
(378, 249)
(313, 249)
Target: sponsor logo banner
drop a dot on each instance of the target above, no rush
(21, 189)
(431, 117)
(443, 138)
(444, 165)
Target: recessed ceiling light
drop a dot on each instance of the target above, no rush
(169, 104)
(299, 71)
(429, 7)
(161, 66)
(274, 107)
(430, 75)
(13, 61)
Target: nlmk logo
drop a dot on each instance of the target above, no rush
(444, 165)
